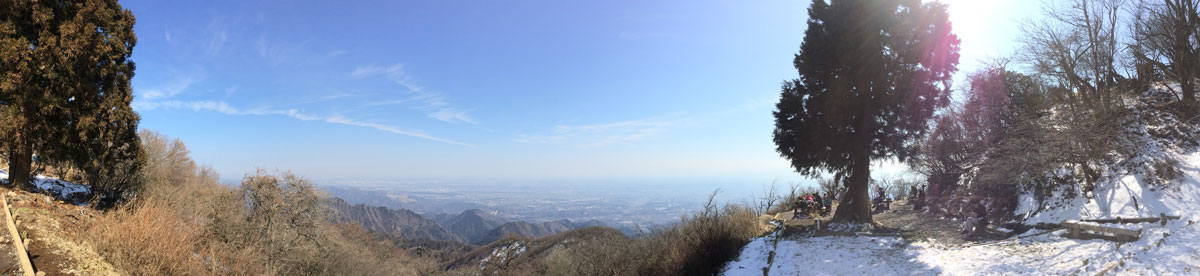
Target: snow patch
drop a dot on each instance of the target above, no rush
(60, 189)
(1173, 249)
(503, 254)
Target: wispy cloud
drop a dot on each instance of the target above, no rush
(173, 88)
(225, 108)
(394, 72)
(596, 135)
(432, 103)
(217, 32)
(217, 42)
(383, 103)
(214, 106)
(276, 52)
(452, 115)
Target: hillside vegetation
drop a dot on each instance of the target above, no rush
(185, 223)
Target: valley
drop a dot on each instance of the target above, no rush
(625, 208)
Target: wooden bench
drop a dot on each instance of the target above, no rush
(1162, 218)
(1075, 230)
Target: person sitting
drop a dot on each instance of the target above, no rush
(797, 205)
(977, 223)
(919, 202)
(828, 204)
(819, 203)
(880, 202)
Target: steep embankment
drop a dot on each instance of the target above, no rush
(1172, 248)
(1152, 173)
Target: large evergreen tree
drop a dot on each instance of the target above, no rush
(872, 72)
(65, 91)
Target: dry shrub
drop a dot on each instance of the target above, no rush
(185, 223)
(147, 240)
(356, 251)
(282, 220)
(698, 245)
(701, 244)
(597, 255)
(160, 232)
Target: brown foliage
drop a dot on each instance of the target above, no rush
(185, 223)
(148, 240)
(698, 245)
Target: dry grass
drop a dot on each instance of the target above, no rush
(185, 223)
(697, 245)
(700, 245)
(148, 240)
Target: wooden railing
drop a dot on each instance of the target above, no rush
(18, 242)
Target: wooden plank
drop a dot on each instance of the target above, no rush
(1132, 220)
(1103, 229)
(26, 265)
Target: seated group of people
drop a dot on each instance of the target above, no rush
(812, 205)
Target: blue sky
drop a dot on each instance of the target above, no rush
(647, 91)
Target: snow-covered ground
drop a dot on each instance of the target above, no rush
(1170, 250)
(1127, 196)
(1173, 249)
(59, 188)
(831, 255)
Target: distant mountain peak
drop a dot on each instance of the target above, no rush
(399, 223)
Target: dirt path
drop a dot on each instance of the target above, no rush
(49, 224)
(9, 263)
(915, 225)
(901, 220)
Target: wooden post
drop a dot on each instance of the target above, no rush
(18, 243)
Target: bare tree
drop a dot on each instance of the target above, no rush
(828, 186)
(793, 193)
(1075, 51)
(1076, 48)
(885, 182)
(902, 186)
(1167, 39)
(770, 196)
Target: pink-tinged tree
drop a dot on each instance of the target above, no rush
(986, 111)
(871, 74)
(961, 136)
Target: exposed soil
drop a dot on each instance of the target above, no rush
(9, 264)
(50, 227)
(901, 220)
